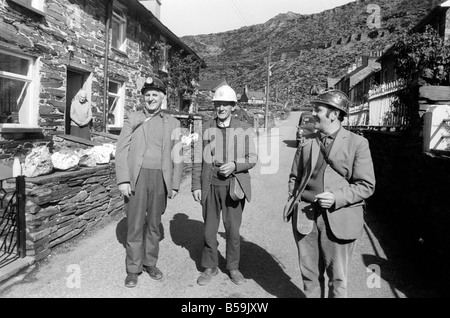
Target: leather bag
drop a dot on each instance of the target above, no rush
(236, 192)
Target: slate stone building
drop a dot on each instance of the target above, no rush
(50, 49)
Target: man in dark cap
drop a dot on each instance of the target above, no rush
(146, 176)
(332, 174)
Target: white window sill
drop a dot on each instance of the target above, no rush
(16, 128)
(26, 4)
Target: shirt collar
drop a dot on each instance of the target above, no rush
(332, 136)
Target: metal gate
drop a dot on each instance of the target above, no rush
(12, 220)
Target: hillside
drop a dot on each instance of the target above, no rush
(316, 46)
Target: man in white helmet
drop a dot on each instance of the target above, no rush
(228, 152)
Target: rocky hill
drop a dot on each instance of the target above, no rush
(315, 46)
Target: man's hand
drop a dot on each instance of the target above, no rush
(125, 189)
(197, 194)
(174, 194)
(227, 168)
(325, 199)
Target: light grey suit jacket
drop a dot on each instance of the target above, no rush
(349, 176)
(131, 148)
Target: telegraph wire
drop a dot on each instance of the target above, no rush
(242, 10)
(249, 12)
(236, 10)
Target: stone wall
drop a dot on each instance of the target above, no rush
(412, 189)
(62, 205)
(79, 24)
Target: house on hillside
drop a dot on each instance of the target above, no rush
(206, 89)
(211, 86)
(252, 97)
(382, 97)
(50, 49)
(363, 66)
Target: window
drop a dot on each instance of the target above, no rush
(119, 27)
(163, 66)
(115, 103)
(34, 5)
(16, 90)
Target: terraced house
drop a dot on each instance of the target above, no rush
(49, 49)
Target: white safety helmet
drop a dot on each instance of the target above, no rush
(225, 94)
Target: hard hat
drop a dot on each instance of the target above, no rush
(153, 82)
(225, 94)
(334, 98)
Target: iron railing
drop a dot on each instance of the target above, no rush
(12, 220)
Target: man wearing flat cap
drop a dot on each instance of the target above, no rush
(146, 176)
(332, 174)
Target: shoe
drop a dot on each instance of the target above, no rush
(153, 272)
(237, 277)
(131, 280)
(206, 277)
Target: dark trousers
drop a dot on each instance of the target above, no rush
(144, 210)
(83, 132)
(219, 200)
(319, 252)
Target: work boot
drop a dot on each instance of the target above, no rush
(131, 280)
(237, 277)
(153, 272)
(206, 277)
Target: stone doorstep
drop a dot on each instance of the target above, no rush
(14, 267)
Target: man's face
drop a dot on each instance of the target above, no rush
(323, 116)
(82, 98)
(153, 99)
(224, 109)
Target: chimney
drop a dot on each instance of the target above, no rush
(154, 6)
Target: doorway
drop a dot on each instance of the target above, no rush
(75, 82)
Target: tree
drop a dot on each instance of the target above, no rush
(422, 58)
(183, 72)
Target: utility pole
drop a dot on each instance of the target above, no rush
(267, 91)
(283, 57)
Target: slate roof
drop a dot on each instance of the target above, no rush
(256, 95)
(211, 85)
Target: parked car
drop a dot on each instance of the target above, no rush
(305, 126)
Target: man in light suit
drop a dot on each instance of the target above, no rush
(146, 176)
(331, 176)
(228, 150)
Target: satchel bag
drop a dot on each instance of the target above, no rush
(236, 192)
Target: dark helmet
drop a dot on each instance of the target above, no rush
(153, 82)
(334, 98)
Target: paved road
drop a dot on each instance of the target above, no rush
(269, 261)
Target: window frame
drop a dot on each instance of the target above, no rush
(119, 17)
(119, 105)
(36, 6)
(164, 67)
(29, 112)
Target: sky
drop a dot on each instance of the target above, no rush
(193, 17)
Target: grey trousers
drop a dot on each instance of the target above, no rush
(320, 252)
(218, 201)
(144, 210)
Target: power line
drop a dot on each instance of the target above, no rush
(236, 10)
(243, 11)
(250, 13)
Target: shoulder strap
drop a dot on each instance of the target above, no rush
(140, 124)
(325, 156)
